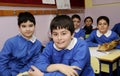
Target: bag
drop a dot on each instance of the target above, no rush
(108, 46)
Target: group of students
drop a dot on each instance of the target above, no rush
(64, 55)
(82, 32)
(98, 35)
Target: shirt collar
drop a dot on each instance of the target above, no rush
(70, 46)
(32, 39)
(77, 30)
(107, 34)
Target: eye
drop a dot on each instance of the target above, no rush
(105, 23)
(23, 26)
(64, 33)
(31, 25)
(54, 34)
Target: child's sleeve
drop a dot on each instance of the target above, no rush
(90, 40)
(4, 59)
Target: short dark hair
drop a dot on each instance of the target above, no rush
(88, 18)
(62, 21)
(24, 17)
(104, 18)
(76, 16)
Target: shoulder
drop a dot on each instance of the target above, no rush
(82, 30)
(49, 44)
(14, 38)
(94, 32)
(81, 46)
(81, 42)
(38, 41)
(113, 33)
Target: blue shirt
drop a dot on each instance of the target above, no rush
(116, 28)
(79, 33)
(76, 54)
(17, 55)
(96, 38)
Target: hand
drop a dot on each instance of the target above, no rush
(35, 72)
(68, 70)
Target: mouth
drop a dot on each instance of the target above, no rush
(60, 42)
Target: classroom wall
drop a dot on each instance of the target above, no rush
(110, 8)
(9, 27)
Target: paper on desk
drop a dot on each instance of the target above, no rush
(96, 53)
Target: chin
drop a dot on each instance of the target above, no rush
(61, 47)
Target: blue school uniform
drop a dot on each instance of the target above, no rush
(79, 33)
(116, 29)
(18, 54)
(97, 38)
(76, 54)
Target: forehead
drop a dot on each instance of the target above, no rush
(60, 30)
(88, 19)
(27, 22)
(76, 19)
(103, 20)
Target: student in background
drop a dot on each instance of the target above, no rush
(79, 33)
(22, 50)
(103, 34)
(116, 28)
(65, 55)
(88, 27)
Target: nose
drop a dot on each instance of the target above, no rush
(59, 37)
(27, 28)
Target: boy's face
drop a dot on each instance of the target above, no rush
(27, 29)
(61, 38)
(76, 22)
(88, 22)
(102, 26)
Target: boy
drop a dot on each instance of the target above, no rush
(65, 55)
(22, 50)
(79, 33)
(88, 27)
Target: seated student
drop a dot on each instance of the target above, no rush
(79, 33)
(88, 27)
(116, 28)
(22, 50)
(65, 55)
(103, 34)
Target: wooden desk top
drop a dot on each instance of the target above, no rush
(110, 56)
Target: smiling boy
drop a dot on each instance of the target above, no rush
(22, 50)
(65, 55)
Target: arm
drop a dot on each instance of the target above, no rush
(65, 69)
(36, 72)
(4, 59)
(91, 40)
(115, 27)
(81, 57)
(45, 61)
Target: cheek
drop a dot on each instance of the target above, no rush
(32, 28)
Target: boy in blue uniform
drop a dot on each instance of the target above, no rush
(103, 34)
(22, 50)
(65, 55)
(79, 33)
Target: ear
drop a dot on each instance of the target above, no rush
(49, 34)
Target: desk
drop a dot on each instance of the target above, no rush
(109, 61)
